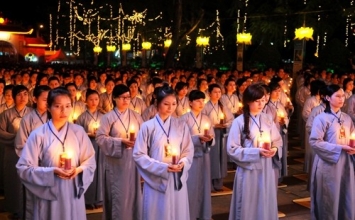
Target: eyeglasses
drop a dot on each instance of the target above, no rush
(125, 98)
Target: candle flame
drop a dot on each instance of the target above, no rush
(353, 136)
(221, 116)
(75, 116)
(69, 154)
(281, 114)
(207, 126)
(96, 125)
(240, 105)
(131, 128)
(174, 152)
(78, 95)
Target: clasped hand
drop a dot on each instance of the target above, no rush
(205, 138)
(268, 153)
(67, 174)
(176, 167)
(128, 143)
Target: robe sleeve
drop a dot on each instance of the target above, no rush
(21, 137)
(306, 109)
(242, 156)
(154, 172)
(350, 108)
(38, 180)
(110, 146)
(187, 148)
(326, 151)
(276, 139)
(6, 138)
(86, 163)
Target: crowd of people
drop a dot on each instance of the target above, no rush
(76, 138)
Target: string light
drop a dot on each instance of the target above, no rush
(316, 54)
(325, 39)
(285, 33)
(50, 32)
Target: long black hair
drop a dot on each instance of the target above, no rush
(210, 89)
(38, 90)
(329, 91)
(252, 93)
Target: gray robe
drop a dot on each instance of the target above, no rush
(28, 123)
(122, 186)
(199, 181)
(218, 153)
(4, 107)
(137, 104)
(9, 125)
(106, 102)
(254, 192)
(231, 102)
(78, 108)
(94, 193)
(350, 107)
(162, 199)
(52, 197)
(333, 178)
(182, 106)
(149, 112)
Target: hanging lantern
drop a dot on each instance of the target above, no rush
(167, 43)
(146, 45)
(244, 38)
(304, 33)
(203, 41)
(126, 47)
(97, 49)
(111, 48)
(2, 20)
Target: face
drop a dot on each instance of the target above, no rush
(133, 88)
(44, 81)
(92, 101)
(72, 91)
(93, 84)
(53, 84)
(103, 77)
(203, 85)
(257, 105)
(223, 77)
(192, 82)
(183, 91)
(109, 86)
(215, 94)
(66, 80)
(231, 86)
(60, 108)
(167, 105)
(25, 78)
(8, 96)
(21, 98)
(2, 86)
(275, 94)
(350, 86)
(337, 99)
(197, 104)
(122, 101)
(242, 87)
(41, 101)
(34, 78)
(78, 80)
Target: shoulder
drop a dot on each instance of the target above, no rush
(266, 119)
(77, 129)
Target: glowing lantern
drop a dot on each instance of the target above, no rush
(304, 33)
(2, 20)
(203, 41)
(146, 45)
(111, 48)
(167, 43)
(244, 38)
(126, 47)
(97, 49)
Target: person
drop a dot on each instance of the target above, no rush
(106, 102)
(182, 99)
(34, 119)
(2, 91)
(122, 186)
(90, 121)
(56, 191)
(199, 181)
(136, 104)
(254, 192)
(78, 106)
(221, 118)
(9, 101)
(9, 125)
(333, 174)
(230, 99)
(163, 153)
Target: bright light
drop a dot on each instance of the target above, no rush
(203, 41)
(146, 45)
(111, 48)
(126, 47)
(244, 38)
(304, 33)
(97, 49)
(167, 43)
(2, 20)
(4, 36)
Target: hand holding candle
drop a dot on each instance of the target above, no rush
(281, 116)
(264, 142)
(174, 156)
(65, 160)
(95, 127)
(221, 119)
(75, 117)
(206, 129)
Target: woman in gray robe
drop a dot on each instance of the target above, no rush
(252, 143)
(136, 104)
(163, 153)
(57, 191)
(78, 106)
(183, 101)
(122, 183)
(333, 174)
(9, 101)
(215, 110)
(106, 101)
(90, 121)
(199, 181)
(9, 125)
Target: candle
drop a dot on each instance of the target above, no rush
(282, 117)
(240, 105)
(174, 156)
(288, 101)
(264, 142)
(78, 95)
(132, 134)
(206, 130)
(75, 117)
(221, 119)
(95, 127)
(352, 140)
(65, 160)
